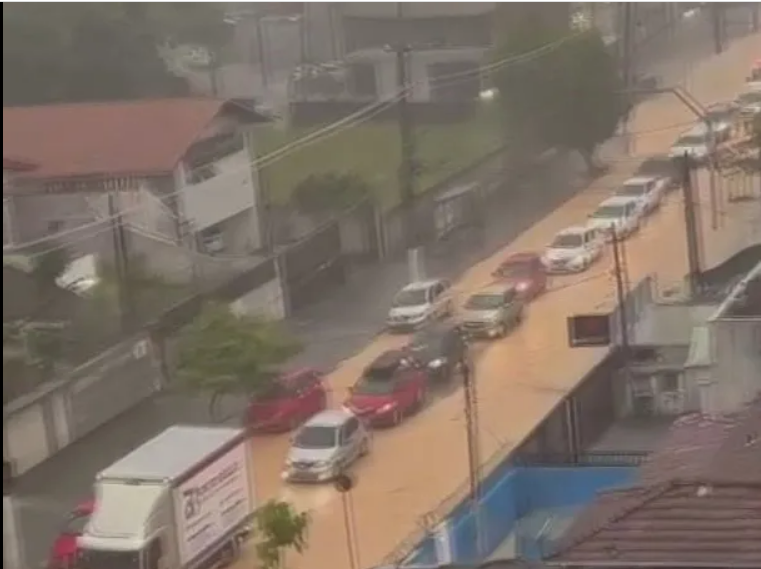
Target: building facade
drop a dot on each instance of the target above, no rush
(179, 171)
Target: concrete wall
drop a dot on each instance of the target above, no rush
(37, 426)
(671, 324)
(736, 355)
(511, 494)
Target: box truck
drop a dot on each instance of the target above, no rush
(183, 500)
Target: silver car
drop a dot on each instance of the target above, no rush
(325, 446)
(492, 312)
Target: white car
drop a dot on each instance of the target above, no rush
(648, 191)
(573, 250)
(621, 215)
(749, 103)
(699, 142)
(419, 303)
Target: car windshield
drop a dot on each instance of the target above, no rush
(411, 297)
(373, 386)
(517, 269)
(720, 114)
(427, 338)
(316, 436)
(656, 167)
(691, 140)
(610, 212)
(567, 241)
(274, 392)
(749, 98)
(484, 302)
(76, 523)
(633, 190)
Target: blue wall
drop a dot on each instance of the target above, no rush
(511, 494)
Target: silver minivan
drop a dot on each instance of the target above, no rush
(325, 446)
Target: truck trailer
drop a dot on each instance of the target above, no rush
(182, 500)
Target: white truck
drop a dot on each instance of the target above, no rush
(182, 500)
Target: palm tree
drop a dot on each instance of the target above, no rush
(279, 528)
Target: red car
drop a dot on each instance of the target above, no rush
(392, 387)
(526, 271)
(63, 554)
(293, 399)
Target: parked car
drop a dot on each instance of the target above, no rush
(325, 446)
(526, 271)
(492, 312)
(419, 303)
(392, 387)
(65, 552)
(648, 192)
(441, 349)
(573, 250)
(749, 103)
(699, 142)
(662, 167)
(619, 215)
(291, 400)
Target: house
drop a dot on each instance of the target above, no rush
(697, 503)
(444, 38)
(177, 169)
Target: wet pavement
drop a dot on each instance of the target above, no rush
(343, 324)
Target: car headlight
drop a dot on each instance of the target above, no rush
(576, 261)
(522, 287)
(386, 408)
(437, 363)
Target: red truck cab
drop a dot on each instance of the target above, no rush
(526, 271)
(292, 399)
(392, 387)
(64, 553)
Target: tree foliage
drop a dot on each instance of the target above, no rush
(222, 353)
(280, 528)
(566, 97)
(324, 193)
(98, 51)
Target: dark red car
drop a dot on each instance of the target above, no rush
(392, 387)
(63, 554)
(526, 271)
(293, 399)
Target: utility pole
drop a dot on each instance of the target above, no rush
(627, 22)
(121, 262)
(263, 67)
(621, 292)
(407, 171)
(474, 452)
(691, 225)
(718, 23)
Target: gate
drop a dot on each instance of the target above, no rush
(110, 384)
(312, 266)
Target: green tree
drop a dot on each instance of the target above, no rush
(327, 193)
(565, 97)
(279, 528)
(223, 353)
(98, 51)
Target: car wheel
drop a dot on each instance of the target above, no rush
(364, 450)
(396, 418)
(502, 331)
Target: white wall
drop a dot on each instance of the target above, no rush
(385, 68)
(671, 324)
(267, 301)
(736, 352)
(214, 200)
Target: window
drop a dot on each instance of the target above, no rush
(362, 80)
(55, 226)
(437, 290)
(350, 428)
(670, 381)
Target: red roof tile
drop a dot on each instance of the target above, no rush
(140, 138)
(699, 502)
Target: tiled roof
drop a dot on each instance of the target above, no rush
(16, 164)
(699, 501)
(133, 138)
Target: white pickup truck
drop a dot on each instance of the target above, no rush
(183, 500)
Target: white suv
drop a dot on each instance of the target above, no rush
(648, 191)
(573, 250)
(621, 215)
